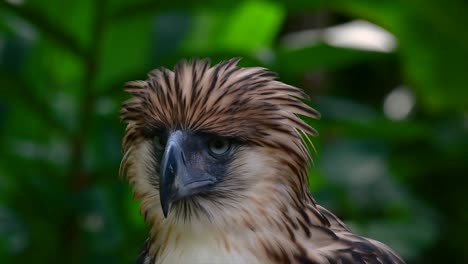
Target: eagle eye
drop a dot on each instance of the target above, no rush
(219, 146)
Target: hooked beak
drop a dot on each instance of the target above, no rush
(177, 179)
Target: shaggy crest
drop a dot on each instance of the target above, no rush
(245, 103)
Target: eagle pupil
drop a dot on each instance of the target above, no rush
(219, 144)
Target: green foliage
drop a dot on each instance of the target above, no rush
(63, 65)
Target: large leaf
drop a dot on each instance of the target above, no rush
(250, 26)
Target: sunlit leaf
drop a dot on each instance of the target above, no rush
(250, 26)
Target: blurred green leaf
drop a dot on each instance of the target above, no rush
(236, 30)
(125, 50)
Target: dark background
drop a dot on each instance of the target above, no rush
(392, 154)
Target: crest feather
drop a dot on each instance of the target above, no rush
(228, 100)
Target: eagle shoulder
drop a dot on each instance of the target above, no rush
(335, 243)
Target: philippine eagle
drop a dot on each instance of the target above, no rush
(218, 159)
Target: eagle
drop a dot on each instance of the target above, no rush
(218, 157)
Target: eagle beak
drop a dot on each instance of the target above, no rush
(177, 180)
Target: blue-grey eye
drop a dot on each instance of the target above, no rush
(219, 146)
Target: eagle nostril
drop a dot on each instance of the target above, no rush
(182, 155)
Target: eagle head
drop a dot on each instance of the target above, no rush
(203, 141)
(218, 158)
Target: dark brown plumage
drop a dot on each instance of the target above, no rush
(218, 158)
